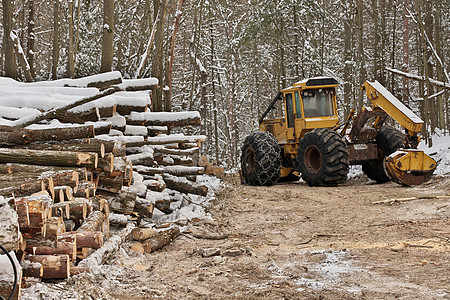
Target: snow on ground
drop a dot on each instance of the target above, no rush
(440, 151)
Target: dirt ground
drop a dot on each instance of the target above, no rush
(291, 241)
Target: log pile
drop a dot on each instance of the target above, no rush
(72, 167)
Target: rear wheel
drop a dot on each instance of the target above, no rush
(389, 140)
(261, 159)
(323, 158)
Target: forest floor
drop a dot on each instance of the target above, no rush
(291, 241)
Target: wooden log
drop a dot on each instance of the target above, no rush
(183, 170)
(61, 210)
(93, 222)
(170, 160)
(145, 159)
(118, 220)
(118, 122)
(179, 152)
(123, 202)
(141, 84)
(164, 206)
(99, 203)
(128, 175)
(70, 225)
(63, 193)
(102, 127)
(78, 209)
(21, 136)
(39, 241)
(157, 130)
(54, 266)
(61, 248)
(212, 169)
(87, 114)
(160, 240)
(84, 239)
(49, 157)
(86, 189)
(109, 248)
(150, 171)
(21, 208)
(106, 164)
(112, 184)
(136, 130)
(170, 139)
(144, 207)
(53, 227)
(202, 161)
(52, 114)
(170, 119)
(141, 234)
(32, 269)
(185, 186)
(9, 227)
(125, 107)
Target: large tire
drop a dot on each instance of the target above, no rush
(261, 159)
(389, 140)
(323, 158)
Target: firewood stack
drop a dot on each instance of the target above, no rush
(63, 179)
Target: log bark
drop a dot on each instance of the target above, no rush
(111, 184)
(84, 239)
(86, 189)
(49, 157)
(183, 170)
(78, 210)
(118, 220)
(30, 269)
(75, 270)
(141, 234)
(61, 248)
(55, 266)
(160, 240)
(185, 186)
(9, 227)
(61, 210)
(141, 84)
(123, 202)
(92, 114)
(6, 287)
(21, 208)
(21, 136)
(144, 207)
(170, 119)
(170, 139)
(150, 171)
(106, 164)
(109, 248)
(93, 222)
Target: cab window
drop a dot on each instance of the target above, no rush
(289, 110)
(318, 103)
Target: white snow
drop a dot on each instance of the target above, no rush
(394, 101)
(127, 83)
(135, 130)
(164, 116)
(441, 151)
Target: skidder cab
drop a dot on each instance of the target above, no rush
(308, 139)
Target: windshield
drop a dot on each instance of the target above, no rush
(318, 103)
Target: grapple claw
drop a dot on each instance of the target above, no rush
(409, 166)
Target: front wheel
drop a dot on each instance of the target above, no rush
(261, 159)
(323, 158)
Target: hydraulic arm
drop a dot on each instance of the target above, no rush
(407, 166)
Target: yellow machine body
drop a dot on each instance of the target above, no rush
(312, 104)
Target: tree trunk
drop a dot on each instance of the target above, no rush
(405, 67)
(168, 100)
(157, 64)
(108, 36)
(55, 56)
(8, 47)
(55, 266)
(31, 37)
(70, 51)
(160, 240)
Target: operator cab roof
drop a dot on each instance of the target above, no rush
(315, 82)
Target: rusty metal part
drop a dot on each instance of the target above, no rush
(358, 153)
(409, 167)
(313, 159)
(362, 130)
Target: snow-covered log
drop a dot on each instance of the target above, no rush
(169, 139)
(185, 186)
(49, 157)
(171, 119)
(445, 85)
(141, 84)
(9, 226)
(183, 170)
(20, 136)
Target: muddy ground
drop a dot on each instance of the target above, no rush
(291, 241)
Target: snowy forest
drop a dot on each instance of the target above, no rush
(228, 59)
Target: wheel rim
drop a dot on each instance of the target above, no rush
(313, 159)
(250, 160)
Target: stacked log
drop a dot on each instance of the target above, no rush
(62, 180)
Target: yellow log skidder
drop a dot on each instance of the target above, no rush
(309, 139)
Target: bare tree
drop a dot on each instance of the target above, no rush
(8, 46)
(55, 56)
(108, 36)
